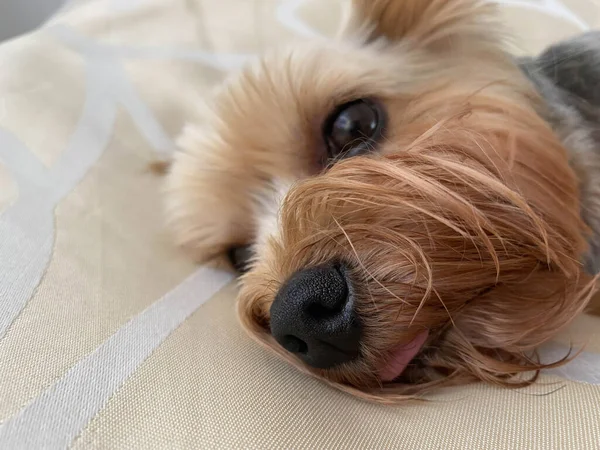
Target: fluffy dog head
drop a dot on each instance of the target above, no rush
(413, 221)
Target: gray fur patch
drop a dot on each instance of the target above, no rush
(567, 75)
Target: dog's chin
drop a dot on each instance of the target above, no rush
(364, 373)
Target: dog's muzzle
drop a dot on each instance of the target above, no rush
(313, 316)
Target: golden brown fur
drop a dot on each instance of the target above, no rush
(465, 222)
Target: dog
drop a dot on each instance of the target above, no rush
(411, 205)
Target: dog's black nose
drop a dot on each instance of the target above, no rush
(313, 317)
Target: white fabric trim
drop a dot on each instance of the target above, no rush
(58, 415)
(551, 7)
(584, 368)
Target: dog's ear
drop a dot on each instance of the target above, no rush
(427, 23)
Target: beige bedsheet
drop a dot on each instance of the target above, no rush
(110, 337)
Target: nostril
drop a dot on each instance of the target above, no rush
(294, 344)
(313, 316)
(319, 311)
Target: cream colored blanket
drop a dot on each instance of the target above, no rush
(110, 337)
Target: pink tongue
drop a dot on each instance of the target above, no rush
(401, 356)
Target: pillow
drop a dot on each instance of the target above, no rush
(110, 337)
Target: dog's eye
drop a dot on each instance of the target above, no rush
(353, 129)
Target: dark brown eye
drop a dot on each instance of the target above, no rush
(353, 129)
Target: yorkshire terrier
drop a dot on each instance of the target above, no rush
(412, 205)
